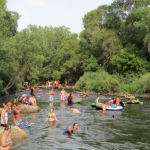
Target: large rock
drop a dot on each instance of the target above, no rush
(15, 133)
(28, 108)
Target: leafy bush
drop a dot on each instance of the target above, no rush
(99, 81)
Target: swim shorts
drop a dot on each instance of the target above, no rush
(51, 98)
(62, 97)
(19, 122)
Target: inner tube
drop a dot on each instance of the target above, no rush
(98, 108)
(118, 108)
(94, 104)
(77, 100)
(130, 97)
(133, 102)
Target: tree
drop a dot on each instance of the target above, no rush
(127, 61)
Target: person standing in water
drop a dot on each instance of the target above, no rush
(52, 93)
(17, 118)
(51, 116)
(6, 141)
(70, 98)
(104, 106)
(32, 90)
(62, 95)
(118, 100)
(4, 116)
(15, 100)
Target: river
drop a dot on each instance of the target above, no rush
(130, 129)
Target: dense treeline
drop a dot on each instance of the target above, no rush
(111, 54)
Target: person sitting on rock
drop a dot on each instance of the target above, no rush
(6, 141)
(23, 98)
(32, 100)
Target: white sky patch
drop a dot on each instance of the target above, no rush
(37, 2)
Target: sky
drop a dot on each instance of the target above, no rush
(54, 13)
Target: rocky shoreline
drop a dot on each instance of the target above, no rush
(69, 87)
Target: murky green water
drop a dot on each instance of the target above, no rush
(129, 130)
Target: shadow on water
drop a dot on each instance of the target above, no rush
(128, 130)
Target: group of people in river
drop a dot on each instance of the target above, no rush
(115, 101)
(6, 141)
(50, 84)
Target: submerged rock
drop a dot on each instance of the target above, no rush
(15, 133)
(28, 108)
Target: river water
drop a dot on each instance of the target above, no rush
(130, 129)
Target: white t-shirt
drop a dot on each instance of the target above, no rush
(6, 116)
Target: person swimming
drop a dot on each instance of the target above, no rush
(75, 126)
(69, 131)
(74, 110)
(51, 116)
(112, 117)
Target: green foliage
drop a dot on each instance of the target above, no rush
(127, 61)
(99, 81)
(110, 55)
(145, 83)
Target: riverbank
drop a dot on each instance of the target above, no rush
(69, 87)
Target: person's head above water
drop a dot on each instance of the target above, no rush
(75, 126)
(70, 129)
(112, 116)
(72, 108)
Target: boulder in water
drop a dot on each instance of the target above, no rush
(28, 108)
(15, 133)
